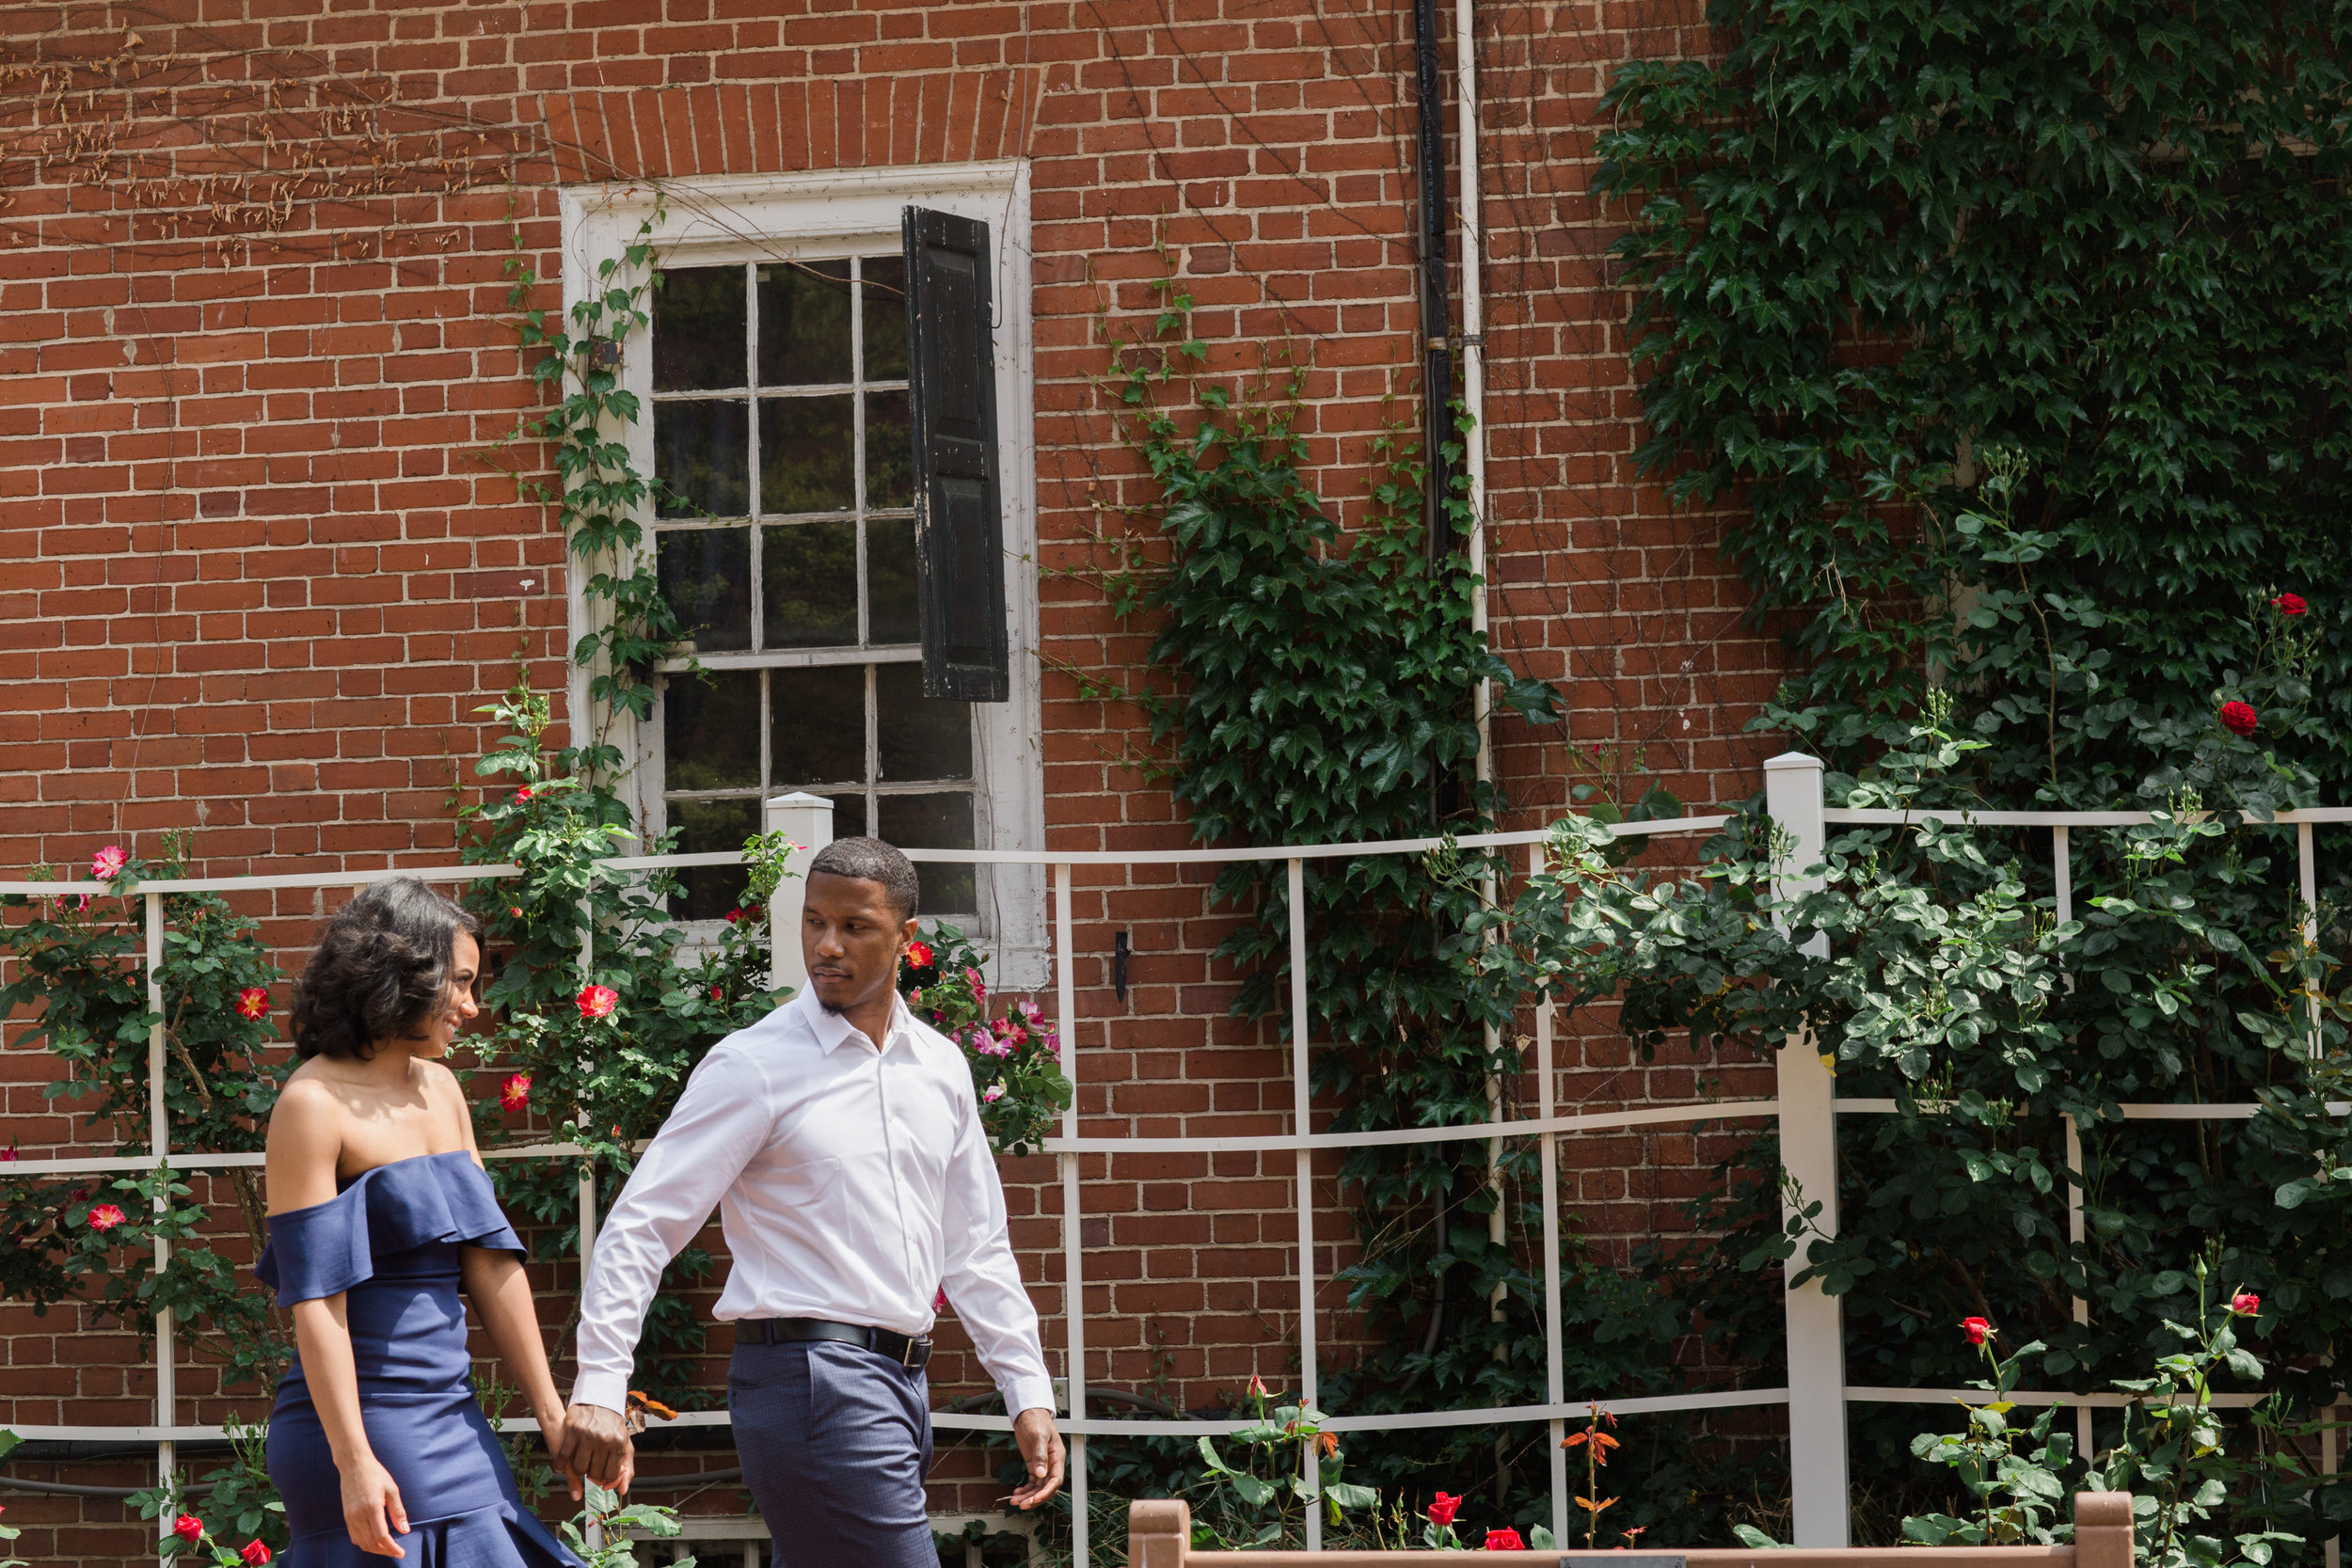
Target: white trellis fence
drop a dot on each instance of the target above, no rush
(1804, 1105)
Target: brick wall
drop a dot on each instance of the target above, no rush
(262, 556)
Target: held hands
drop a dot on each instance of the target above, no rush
(1042, 1452)
(372, 1507)
(592, 1444)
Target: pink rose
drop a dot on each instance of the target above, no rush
(597, 1001)
(995, 1092)
(108, 863)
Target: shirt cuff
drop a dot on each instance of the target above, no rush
(1029, 1393)
(608, 1391)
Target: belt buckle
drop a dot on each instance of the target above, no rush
(918, 1352)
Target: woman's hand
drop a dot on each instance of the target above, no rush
(372, 1507)
(555, 1430)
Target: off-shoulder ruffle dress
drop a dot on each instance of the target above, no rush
(388, 1241)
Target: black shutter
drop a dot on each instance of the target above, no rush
(959, 505)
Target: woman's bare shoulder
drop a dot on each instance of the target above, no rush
(306, 1139)
(308, 1096)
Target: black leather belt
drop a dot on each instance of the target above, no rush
(911, 1352)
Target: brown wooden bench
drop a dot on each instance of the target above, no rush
(1159, 1535)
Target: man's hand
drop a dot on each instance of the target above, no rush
(597, 1447)
(1041, 1450)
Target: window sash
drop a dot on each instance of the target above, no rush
(701, 220)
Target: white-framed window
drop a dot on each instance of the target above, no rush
(774, 384)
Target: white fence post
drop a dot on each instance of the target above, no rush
(1808, 1153)
(804, 819)
(1309, 1462)
(159, 1130)
(1072, 1213)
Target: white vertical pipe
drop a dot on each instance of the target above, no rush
(2310, 884)
(1474, 472)
(159, 1144)
(2331, 1552)
(1471, 207)
(587, 1173)
(2308, 880)
(587, 1187)
(2062, 877)
(1808, 1153)
(2077, 1232)
(1296, 870)
(1074, 1276)
(1555, 1391)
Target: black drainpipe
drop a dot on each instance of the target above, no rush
(1436, 310)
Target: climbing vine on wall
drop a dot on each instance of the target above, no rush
(78, 964)
(1881, 256)
(2011, 341)
(1307, 683)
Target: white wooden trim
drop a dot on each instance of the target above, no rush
(718, 219)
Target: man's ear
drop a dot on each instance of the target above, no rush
(909, 929)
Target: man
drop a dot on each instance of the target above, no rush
(842, 1144)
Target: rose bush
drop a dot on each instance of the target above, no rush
(1013, 1055)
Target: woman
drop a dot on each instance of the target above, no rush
(379, 1213)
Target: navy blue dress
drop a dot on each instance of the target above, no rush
(389, 1242)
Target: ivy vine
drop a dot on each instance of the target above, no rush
(1309, 685)
(1882, 255)
(2011, 341)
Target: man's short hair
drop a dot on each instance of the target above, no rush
(870, 860)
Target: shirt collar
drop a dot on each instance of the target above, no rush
(834, 1030)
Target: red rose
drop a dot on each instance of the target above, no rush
(718, 993)
(2289, 604)
(254, 1555)
(919, 955)
(597, 1001)
(522, 795)
(253, 1003)
(188, 1528)
(1978, 1329)
(2246, 1304)
(1504, 1541)
(734, 917)
(2238, 719)
(515, 1092)
(1442, 1509)
(105, 1217)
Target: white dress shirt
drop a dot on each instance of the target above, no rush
(851, 1184)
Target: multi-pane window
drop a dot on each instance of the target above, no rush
(785, 539)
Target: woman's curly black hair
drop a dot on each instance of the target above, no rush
(381, 969)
